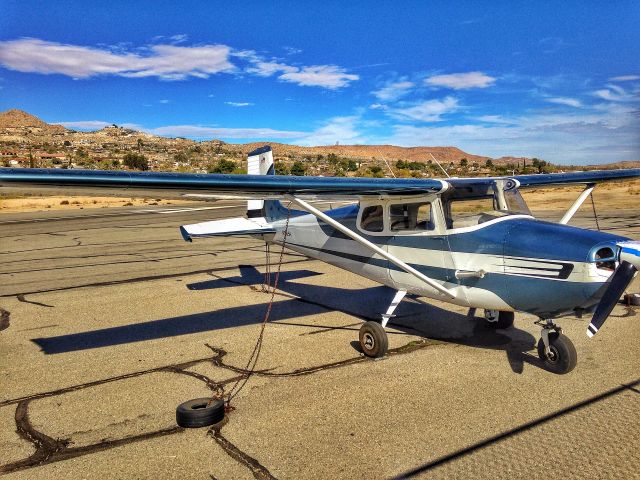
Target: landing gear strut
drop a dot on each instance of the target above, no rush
(373, 339)
(555, 349)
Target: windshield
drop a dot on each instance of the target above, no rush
(474, 204)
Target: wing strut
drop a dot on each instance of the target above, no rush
(577, 204)
(372, 246)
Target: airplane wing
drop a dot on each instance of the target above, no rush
(209, 186)
(538, 180)
(215, 186)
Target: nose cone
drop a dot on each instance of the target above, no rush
(630, 252)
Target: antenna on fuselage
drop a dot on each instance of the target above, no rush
(441, 167)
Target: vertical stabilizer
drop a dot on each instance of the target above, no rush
(260, 162)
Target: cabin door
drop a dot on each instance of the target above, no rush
(418, 239)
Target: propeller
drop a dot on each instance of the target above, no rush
(620, 279)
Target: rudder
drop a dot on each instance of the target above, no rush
(259, 162)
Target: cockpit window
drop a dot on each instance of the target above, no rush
(474, 204)
(410, 217)
(372, 219)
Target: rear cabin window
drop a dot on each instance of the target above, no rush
(410, 217)
(372, 219)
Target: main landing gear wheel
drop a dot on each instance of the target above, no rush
(498, 319)
(373, 340)
(199, 413)
(561, 357)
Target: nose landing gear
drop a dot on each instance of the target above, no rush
(555, 349)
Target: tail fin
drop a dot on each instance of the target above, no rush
(260, 162)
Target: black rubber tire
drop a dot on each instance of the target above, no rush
(197, 413)
(563, 356)
(373, 340)
(632, 299)
(505, 320)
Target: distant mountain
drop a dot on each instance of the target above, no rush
(371, 152)
(24, 129)
(15, 119)
(17, 125)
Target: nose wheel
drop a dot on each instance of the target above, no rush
(555, 350)
(373, 340)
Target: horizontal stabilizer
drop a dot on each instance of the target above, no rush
(227, 227)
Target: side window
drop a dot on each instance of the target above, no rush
(410, 217)
(372, 220)
(470, 212)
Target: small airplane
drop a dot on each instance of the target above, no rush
(469, 241)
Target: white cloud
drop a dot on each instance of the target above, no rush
(197, 131)
(461, 81)
(393, 91)
(266, 69)
(625, 78)
(604, 135)
(377, 106)
(493, 119)
(339, 129)
(570, 102)
(191, 131)
(427, 111)
(327, 76)
(614, 93)
(164, 100)
(179, 38)
(85, 124)
(292, 50)
(168, 62)
(239, 104)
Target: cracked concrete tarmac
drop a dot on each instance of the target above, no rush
(108, 322)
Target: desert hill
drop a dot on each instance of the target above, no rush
(17, 120)
(20, 126)
(370, 152)
(23, 136)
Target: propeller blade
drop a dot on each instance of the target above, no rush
(619, 282)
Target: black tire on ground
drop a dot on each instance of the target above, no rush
(199, 413)
(505, 320)
(562, 357)
(373, 340)
(632, 299)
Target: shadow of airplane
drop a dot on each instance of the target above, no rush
(412, 317)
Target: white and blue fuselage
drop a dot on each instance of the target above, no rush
(508, 263)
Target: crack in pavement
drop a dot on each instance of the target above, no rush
(49, 450)
(255, 467)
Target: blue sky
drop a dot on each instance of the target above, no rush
(555, 80)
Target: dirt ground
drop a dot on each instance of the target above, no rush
(41, 204)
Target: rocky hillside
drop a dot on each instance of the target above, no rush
(19, 122)
(369, 152)
(21, 127)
